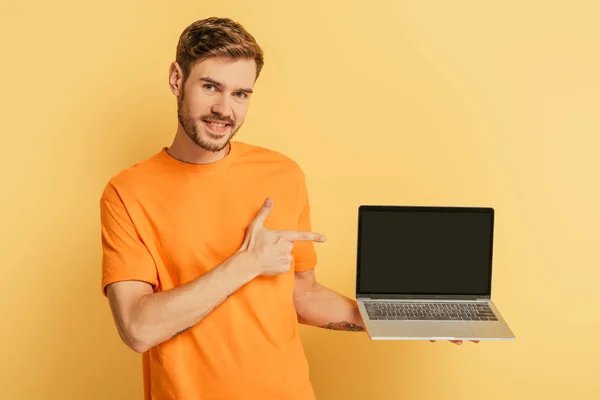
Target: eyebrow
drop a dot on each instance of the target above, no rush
(219, 84)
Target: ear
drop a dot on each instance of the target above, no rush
(176, 79)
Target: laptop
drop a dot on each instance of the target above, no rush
(425, 273)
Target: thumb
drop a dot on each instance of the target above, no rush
(264, 211)
(258, 221)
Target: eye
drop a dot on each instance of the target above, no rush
(208, 84)
(243, 95)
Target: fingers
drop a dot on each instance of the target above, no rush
(458, 341)
(290, 235)
(453, 341)
(264, 211)
(461, 342)
(294, 236)
(289, 246)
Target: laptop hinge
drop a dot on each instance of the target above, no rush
(420, 297)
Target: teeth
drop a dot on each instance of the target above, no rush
(215, 124)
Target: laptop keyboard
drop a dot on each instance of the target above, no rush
(386, 310)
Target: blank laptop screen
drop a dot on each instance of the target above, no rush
(424, 252)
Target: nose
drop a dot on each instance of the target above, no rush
(223, 107)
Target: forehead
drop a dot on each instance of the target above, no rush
(239, 73)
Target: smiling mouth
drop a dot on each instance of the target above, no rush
(217, 124)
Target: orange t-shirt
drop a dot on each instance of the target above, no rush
(167, 222)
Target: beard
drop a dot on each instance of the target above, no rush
(193, 127)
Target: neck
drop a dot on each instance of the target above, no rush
(184, 149)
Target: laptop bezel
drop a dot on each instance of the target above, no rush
(366, 208)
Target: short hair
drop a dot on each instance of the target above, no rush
(216, 37)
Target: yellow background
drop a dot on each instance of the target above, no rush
(393, 102)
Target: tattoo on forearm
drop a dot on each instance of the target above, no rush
(343, 326)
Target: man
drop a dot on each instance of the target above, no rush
(208, 255)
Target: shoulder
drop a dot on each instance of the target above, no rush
(129, 178)
(265, 156)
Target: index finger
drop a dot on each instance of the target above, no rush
(295, 236)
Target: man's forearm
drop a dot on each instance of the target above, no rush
(322, 307)
(162, 315)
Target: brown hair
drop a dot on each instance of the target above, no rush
(216, 37)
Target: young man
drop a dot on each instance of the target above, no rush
(208, 254)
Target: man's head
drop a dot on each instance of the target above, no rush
(216, 66)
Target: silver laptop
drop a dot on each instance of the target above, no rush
(425, 273)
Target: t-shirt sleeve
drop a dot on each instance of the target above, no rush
(124, 255)
(305, 254)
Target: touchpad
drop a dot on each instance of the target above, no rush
(443, 330)
(422, 329)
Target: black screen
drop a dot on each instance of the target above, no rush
(425, 252)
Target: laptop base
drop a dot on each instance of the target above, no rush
(436, 330)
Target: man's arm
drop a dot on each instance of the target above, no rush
(319, 306)
(144, 318)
